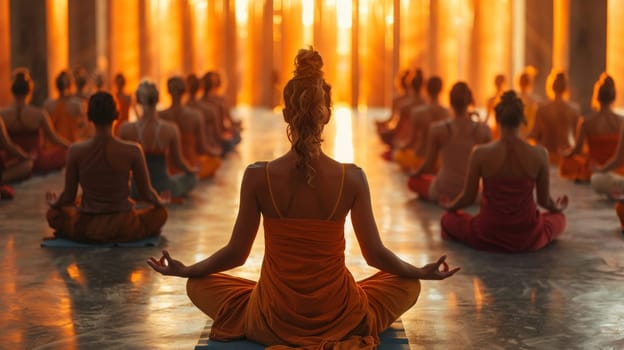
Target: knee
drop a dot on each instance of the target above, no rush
(600, 182)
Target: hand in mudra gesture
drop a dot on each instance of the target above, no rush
(438, 270)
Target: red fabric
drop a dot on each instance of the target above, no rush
(420, 185)
(508, 220)
(387, 155)
(6, 192)
(47, 158)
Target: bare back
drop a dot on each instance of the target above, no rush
(422, 118)
(29, 118)
(510, 159)
(186, 118)
(294, 198)
(601, 123)
(155, 135)
(555, 123)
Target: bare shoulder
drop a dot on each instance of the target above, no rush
(125, 128)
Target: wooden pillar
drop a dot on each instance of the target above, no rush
(5, 52)
(82, 34)
(539, 40)
(28, 43)
(588, 47)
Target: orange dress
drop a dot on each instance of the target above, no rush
(207, 165)
(601, 148)
(305, 297)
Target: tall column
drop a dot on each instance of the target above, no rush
(57, 30)
(82, 34)
(588, 47)
(539, 40)
(5, 52)
(123, 41)
(615, 47)
(28, 43)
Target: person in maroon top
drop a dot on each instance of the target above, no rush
(15, 164)
(101, 166)
(28, 126)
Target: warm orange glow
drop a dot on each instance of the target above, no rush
(452, 301)
(533, 294)
(343, 138)
(561, 37)
(615, 45)
(124, 41)
(73, 272)
(5, 50)
(57, 29)
(138, 276)
(477, 286)
(307, 19)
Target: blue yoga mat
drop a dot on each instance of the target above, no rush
(66, 243)
(392, 338)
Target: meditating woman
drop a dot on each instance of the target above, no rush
(124, 101)
(159, 139)
(26, 124)
(600, 131)
(66, 110)
(556, 121)
(510, 169)
(385, 127)
(195, 148)
(305, 297)
(102, 167)
(452, 140)
(15, 164)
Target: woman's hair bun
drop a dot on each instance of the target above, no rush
(22, 82)
(510, 110)
(308, 64)
(147, 93)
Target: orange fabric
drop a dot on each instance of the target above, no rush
(65, 124)
(108, 227)
(601, 148)
(619, 210)
(407, 159)
(305, 297)
(207, 165)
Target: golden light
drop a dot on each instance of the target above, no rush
(57, 29)
(477, 286)
(561, 38)
(343, 138)
(138, 276)
(615, 44)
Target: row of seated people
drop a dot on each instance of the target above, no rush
(597, 153)
(27, 125)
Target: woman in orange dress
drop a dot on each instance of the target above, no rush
(600, 131)
(29, 126)
(510, 169)
(102, 167)
(195, 148)
(305, 297)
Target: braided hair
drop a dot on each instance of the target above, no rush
(307, 109)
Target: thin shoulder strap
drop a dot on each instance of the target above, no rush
(156, 141)
(139, 130)
(339, 194)
(266, 167)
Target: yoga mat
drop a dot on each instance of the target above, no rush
(392, 338)
(66, 243)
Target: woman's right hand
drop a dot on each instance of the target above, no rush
(432, 271)
(168, 266)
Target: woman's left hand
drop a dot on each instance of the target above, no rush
(438, 270)
(168, 266)
(445, 202)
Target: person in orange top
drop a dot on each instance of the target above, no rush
(29, 127)
(124, 101)
(411, 154)
(65, 111)
(102, 167)
(195, 148)
(529, 100)
(305, 297)
(556, 121)
(599, 130)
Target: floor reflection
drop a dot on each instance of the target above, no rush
(567, 296)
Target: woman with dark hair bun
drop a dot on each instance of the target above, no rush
(102, 167)
(305, 297)
(600, 130)
(27, 126)
(452, 140)
(510, 168)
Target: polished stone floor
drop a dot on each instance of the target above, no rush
(567, 296)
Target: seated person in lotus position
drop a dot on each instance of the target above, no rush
(102, 167)
(26, 124)
(529, 99)
(556, 121)
(600, 131)
(508, 220)
(159, 139)
(124, 102)
(210, 113)
(305, 296)
(15, 164)
(195, 148)
(452, 140)
(385, 127)
(411, 154)
(66, 111)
